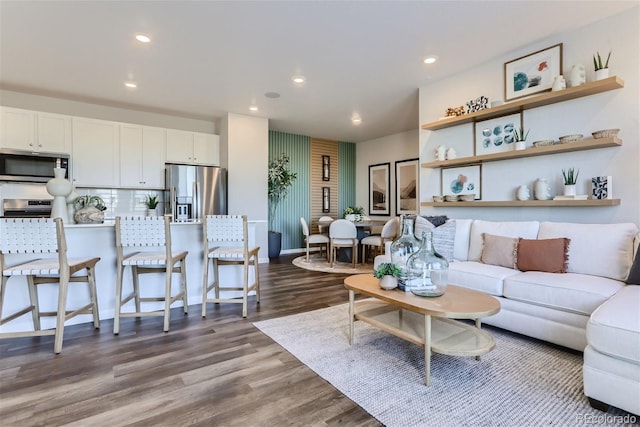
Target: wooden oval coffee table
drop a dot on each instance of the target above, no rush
(428, 322)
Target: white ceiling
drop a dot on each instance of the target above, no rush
(208, 58)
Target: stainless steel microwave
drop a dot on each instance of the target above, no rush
(27, 166)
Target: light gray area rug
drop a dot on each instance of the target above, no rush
(319, 263)
(522, 382)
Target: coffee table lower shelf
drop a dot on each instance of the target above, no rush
(435, 334)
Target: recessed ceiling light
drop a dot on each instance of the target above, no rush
(272, 95)
(143, 38)
(356, 120)
(131, 85)
(430, 59)
(253, 107)
(298, 79)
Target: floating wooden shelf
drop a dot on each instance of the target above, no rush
(525, 203)
(585, 144)
(520, 105)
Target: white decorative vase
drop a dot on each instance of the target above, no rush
(89, 215)
(59, 187)
(602, 73)
(71, 198)
(388, 282)
(152, 212)
(520, 145)
(350, 217)
(570, 190)
(542, 189)
(523, 193)
(578, 75)
(441, 153)
(451, 154)
(558, 83)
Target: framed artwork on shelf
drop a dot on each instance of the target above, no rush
(326, 200)
(407, 186)
(379, 189)
(326, 172)
(462, 180)
(533, 73)
(496, 135)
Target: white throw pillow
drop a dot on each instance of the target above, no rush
(524, 229)
(443, 236)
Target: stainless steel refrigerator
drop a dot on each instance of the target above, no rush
(191, 192)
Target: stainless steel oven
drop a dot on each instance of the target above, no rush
(26, 208)
(26, 166)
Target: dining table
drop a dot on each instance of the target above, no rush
(362, 227)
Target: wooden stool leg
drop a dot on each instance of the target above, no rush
(136, 286)
(216, 273)
(183, 282)
(35, 303)
(118, 306)
(91, 280)
(167, 296)
(61, 313)
(205, 285)
(245, 288)
(255, 267)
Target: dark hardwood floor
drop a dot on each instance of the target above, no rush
(218, 371)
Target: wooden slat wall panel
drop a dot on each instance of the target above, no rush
(319, 148)
(296, 204)
(347, 175)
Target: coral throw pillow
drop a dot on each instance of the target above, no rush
(499, 250)
(548, 255)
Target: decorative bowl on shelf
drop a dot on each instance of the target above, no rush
(605, 133)
(467, 197)
(438, 198)
(451, 198)
(543, 143)
(570, 138)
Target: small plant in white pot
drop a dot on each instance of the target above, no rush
(388, 274)
(570, 178)
(520, 137)
(151, 202)
(353, 213)
(601, 69)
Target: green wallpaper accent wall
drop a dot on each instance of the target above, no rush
(298, 202)
(346, 175)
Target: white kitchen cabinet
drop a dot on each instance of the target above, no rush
(192, 147)
(95, 153)
(142, 156)
(35, 131)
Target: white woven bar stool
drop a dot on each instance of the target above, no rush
(226, 242)
(44, 236)
(147, 233)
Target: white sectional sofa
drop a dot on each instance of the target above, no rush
(589, 304)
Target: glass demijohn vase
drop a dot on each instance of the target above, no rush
(428, 269)
(402, 247)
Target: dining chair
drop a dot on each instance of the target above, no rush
(150, 239)
(226, 242)
(324, 228)
(343, 234)
(376, 242)
(320, 240)
(44, 237)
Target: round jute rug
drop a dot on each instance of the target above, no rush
(319, 263)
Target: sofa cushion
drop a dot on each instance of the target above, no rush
(614, 327)
(525, 229)
(461, 245)
(499, 250)
(634, 273)
(443, 235)
(549, 255)
(571, 292)
(604, 250)
(486, 278)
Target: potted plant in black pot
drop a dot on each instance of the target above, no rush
(280, 180)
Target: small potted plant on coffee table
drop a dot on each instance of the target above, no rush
(388, 274)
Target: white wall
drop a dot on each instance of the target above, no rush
(245, 140)
(392, 148)
(103, 112)
(613, 109)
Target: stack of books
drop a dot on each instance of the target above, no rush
(576, 197)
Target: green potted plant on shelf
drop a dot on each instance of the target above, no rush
(89, 209)
(570, 178)
(353, 213)
(520, 138)
(280, 180)
(151, 202)
(388, 274)
(602, 70)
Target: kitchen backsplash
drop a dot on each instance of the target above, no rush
(118, 201)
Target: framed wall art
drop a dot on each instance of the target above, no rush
(532, 73)
(326, 199)
(407, 186)
(462, 180)
(379, 189)
(326, 172)
(496, 135)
